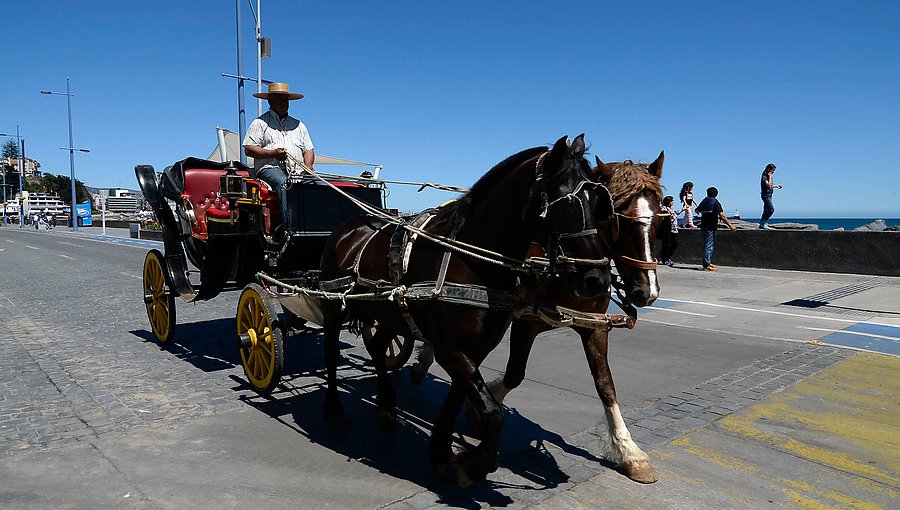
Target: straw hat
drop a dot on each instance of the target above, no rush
(278, 88)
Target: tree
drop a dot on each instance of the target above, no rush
(11, 149)
(62, 186)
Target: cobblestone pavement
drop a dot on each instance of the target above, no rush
(59, 387)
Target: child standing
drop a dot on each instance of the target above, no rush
(670, 238)
(710, 211)
(687, 204)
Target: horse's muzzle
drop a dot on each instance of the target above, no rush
(593, 283)
(640, 297)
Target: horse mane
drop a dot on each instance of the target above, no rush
(452, 217)
(630, 179)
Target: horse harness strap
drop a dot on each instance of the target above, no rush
(401, 246)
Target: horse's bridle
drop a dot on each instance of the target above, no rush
(557, 232)
(645, 265)
(579, 198)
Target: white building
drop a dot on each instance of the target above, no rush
(118, 200)
(45, 203)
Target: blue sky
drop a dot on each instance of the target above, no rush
(442, 91)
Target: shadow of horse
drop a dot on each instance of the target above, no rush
(402, 452)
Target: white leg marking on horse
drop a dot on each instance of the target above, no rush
(625, 449)
(644, 211)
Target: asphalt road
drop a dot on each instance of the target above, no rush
(94, 414)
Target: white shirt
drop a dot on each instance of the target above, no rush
(270, 132)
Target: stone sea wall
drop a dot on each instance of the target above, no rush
(830, 251)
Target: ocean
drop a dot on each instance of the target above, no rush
(830, 223)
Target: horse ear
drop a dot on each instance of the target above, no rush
(656, 167)
(602, 172)
(561, 145)
(577, 146)
(557, 153)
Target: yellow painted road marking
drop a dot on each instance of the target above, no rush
(695, 448)
(846, 417)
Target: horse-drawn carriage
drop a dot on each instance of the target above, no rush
(223, 230)
(467, 280)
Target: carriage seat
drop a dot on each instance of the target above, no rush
(201, 193)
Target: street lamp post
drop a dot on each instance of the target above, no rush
(20, 145)
(71, 150)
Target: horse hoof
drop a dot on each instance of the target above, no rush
(462, 478)
(640, 471)
(455, 473)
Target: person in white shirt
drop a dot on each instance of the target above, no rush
(272, 137)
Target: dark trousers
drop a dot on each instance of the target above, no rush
(768, 208)
(669, 243)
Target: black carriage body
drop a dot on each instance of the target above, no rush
(229, 242)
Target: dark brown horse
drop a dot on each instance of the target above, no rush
(629, 237)
(535, 194)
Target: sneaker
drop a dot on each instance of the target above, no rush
(714, 266)
(765, 226)
(669, 263)
(710, 268)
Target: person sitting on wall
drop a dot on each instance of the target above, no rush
(272, 138)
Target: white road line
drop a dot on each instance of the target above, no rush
(681, 311)
(123, 273)
(65, 256)
(851, 332)
(815, 317)
(10, 241)
(797, 340)
(70, 244)
(32, 247)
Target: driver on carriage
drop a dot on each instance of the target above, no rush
(274, 136)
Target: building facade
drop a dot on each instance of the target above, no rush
(32, 167)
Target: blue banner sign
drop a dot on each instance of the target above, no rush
(84, 212)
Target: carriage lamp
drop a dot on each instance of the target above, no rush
(231, 185)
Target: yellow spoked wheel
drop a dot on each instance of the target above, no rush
(158, 297)
(260, 338)
(398, 351)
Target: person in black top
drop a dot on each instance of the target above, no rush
(710, 211)
(766, 188)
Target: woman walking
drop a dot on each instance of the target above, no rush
(687, 204)
(766, 190)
